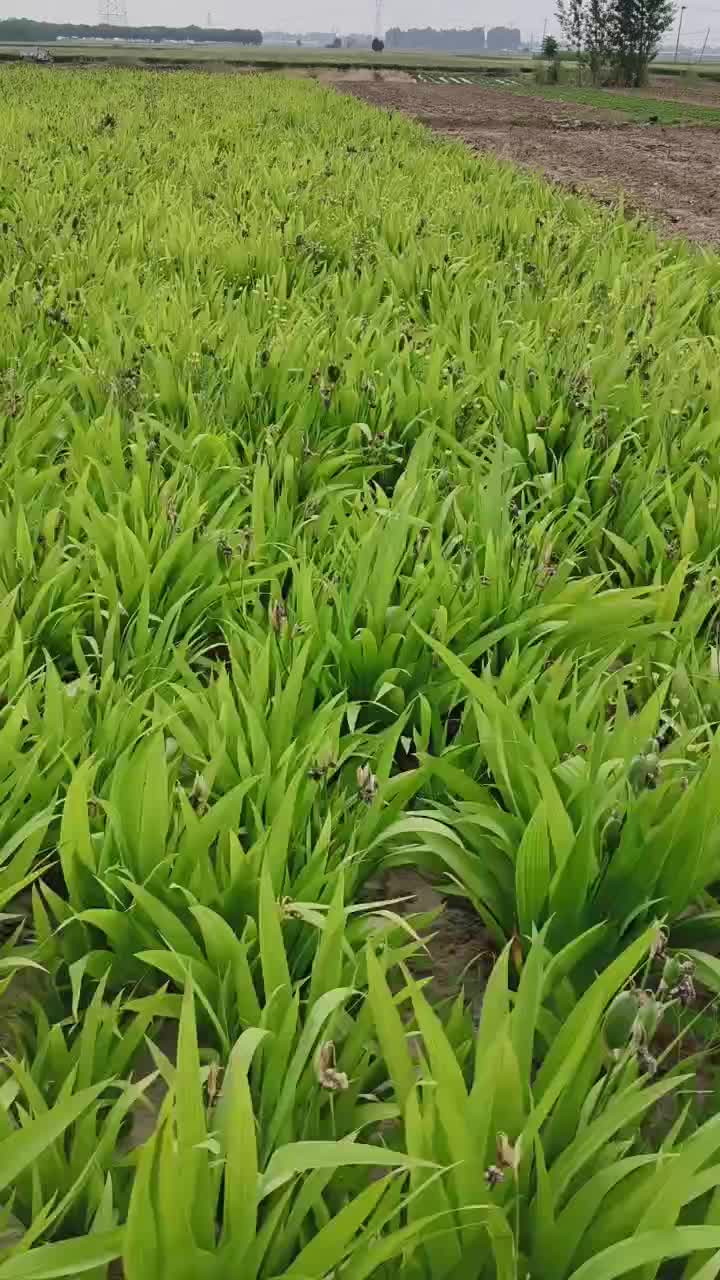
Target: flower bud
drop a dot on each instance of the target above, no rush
(620, 1020)
(672, 973)
(648, 1017)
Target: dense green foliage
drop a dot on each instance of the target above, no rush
(624, 35)
(27, 30)
(358, 507)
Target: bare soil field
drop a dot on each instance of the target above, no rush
(670, 175)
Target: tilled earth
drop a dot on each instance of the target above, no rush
(670, 174)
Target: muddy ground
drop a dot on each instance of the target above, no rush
(458, 951)
(668, 174)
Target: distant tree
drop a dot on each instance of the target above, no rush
(571, 16)
(27, 30)
(637, 29)
(624, 34)
(588, 27)
(599, 26)
(378, 45)
(550, 50)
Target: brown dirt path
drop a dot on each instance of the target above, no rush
(670, 175)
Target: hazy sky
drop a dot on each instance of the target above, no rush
(360, 14)
(297, 15)
(340, 15)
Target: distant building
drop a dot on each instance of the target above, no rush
(312, 39)
(443, 40)
(503, 40)
(36, 55)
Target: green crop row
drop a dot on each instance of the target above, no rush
(358, 512)
(626, 105)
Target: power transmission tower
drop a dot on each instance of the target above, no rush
(113, 13)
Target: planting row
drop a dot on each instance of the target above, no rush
(358, 511)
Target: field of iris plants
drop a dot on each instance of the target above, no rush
(359, 509)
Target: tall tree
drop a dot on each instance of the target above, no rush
(571, 16)
(599, 24)
(624, 34)
(637, 29)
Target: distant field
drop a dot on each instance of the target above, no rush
(710, 70)
(274, 57)
(268, 56)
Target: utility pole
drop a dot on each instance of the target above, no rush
(683, 7)
(544, 30)
(702, 51)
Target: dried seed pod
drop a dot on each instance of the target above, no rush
(331, 1079)
(645, 1061)
(367, 782)
(200, 794)
(659, 942)
(508, 1153)
(224, 552)
(685, 990)
(278, 616)
(213, 1081)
